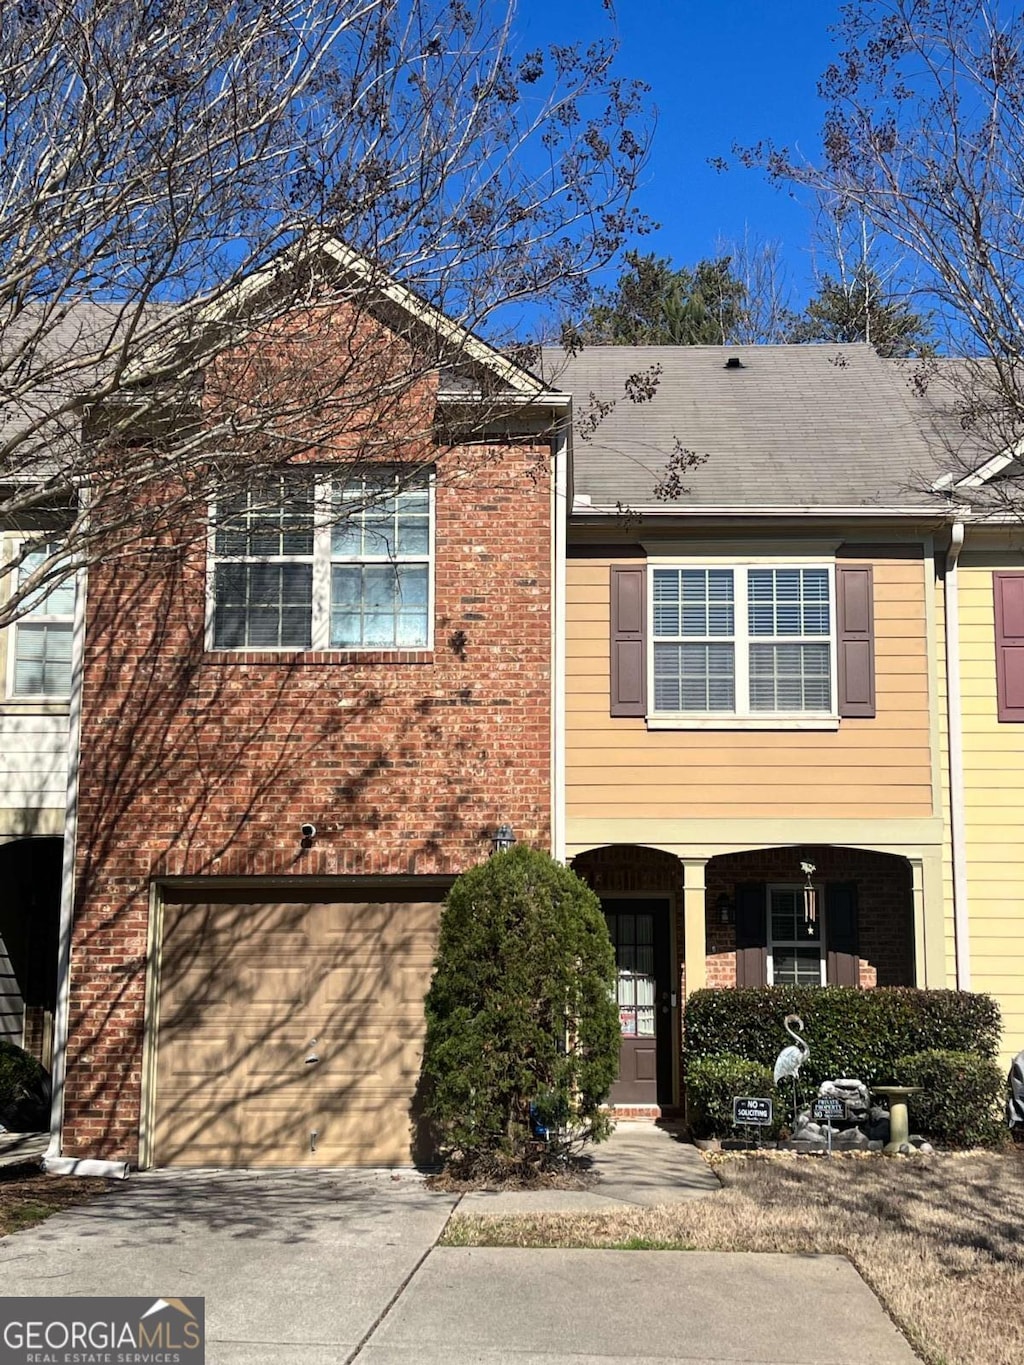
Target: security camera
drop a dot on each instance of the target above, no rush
(308, 831)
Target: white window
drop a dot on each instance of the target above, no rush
(744, 642)
(40, 655)
(328, 562)
(795, 942)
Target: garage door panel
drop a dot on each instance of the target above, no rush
(245, 988)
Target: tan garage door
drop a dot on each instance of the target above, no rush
(291, 1032)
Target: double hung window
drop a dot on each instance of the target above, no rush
(742, 641)
(795, 956)
(40, 664)
(325, 561)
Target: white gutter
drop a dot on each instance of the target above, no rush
(53, 1162)
(957, 817)
(563, 427)
(582, 510)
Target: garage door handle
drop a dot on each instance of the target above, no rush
(312, 1140)
(312, 1059)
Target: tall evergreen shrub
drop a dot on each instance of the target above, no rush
(522, 1025)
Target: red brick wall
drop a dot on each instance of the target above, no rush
(884, 901)
(207, 764)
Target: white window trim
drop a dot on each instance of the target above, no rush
(788, 943)
(321, 559)
(743, 718)
(32, 618)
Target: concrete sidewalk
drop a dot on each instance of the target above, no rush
(18, 1148)
(640, 1165)
(693, 1308)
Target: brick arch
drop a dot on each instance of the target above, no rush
(625, 868)
(885, 904)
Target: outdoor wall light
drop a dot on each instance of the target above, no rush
(503, 838)
(724, 907)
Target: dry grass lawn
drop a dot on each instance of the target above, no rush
(27, 1196)
(939, 1238)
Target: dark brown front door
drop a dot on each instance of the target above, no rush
(639, 931)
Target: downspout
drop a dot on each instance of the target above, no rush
(563, 426)
(53, 1162)
(957, 816)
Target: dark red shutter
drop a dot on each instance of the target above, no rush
(855, 630)
(751, 934)
(628, 641)
(842, 965)
(1009, 595)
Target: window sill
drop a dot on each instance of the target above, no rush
(312, 658)
(35, 706)
(743, 723)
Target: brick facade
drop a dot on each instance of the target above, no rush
(206, 764)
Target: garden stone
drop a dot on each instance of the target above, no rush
(851, 1093)
(852, 1140)
(875, 1145)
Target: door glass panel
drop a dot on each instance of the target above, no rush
(633, 937)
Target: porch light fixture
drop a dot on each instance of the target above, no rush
(503, 838)
(724, 907)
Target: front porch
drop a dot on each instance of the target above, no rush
(753, 917)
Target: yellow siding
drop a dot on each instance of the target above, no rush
(994, 800)
(872, 769)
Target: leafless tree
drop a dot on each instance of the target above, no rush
(923, 142)
(172, 175)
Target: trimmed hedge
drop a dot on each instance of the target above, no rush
(712, 1083)
(850, 1032)
(24, 1090)
(962, 1101)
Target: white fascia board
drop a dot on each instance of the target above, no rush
(518, 379)
(582, 510)
(977, 478)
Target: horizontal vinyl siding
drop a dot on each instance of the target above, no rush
(867, 769)
(994, 799)
(33, 760)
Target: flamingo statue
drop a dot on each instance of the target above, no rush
(791, 1059)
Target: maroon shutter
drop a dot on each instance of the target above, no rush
(628, 641)
(855, 628)
(1009, 596)
(842, 965)
(751, 934)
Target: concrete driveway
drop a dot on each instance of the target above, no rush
(307, 1267)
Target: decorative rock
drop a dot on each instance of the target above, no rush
(926, 1148)
(852, 1093)
(875, 1145)
(906, 1149)
(803, 1145)
(852, 1140)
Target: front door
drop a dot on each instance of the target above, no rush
(639, 930)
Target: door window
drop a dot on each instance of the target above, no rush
(633, 938)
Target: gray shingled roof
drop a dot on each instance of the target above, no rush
(796, 426)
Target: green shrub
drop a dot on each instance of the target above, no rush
(850, 1032)
(24, 1090)
(962, 1100)
(712, 1083)
(521, 1014)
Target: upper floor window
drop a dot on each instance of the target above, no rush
(742, 642)
(40, 663)
(324, 561)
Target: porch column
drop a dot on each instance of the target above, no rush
(694, 938)
(929, 922)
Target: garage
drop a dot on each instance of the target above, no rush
(288, 1031)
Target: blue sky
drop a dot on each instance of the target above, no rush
(721, 71)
